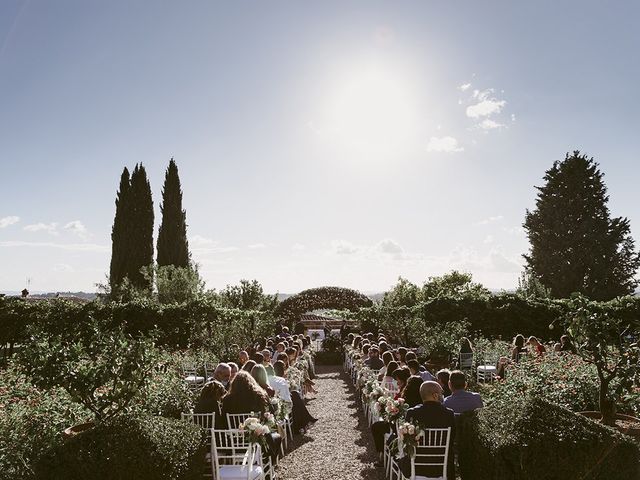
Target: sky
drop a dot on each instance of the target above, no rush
(318, 143)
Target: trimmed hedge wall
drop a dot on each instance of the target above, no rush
(195, 323)
(528, 438)
(143, 447)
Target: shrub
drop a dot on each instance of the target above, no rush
(126, 447)
(31, 421)
(529, 438)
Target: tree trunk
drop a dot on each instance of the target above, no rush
(607, 407)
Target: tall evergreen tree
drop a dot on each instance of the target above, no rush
(140, 229)
(575, 245)
(117, 269)
(173, 248)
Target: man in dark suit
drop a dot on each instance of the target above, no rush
(432, 414)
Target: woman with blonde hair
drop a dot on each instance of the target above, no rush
(259, 374)
(536, 345)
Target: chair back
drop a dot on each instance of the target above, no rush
(204, 420)
(466, 361)
(230, 450)
(234, 420)
(432, 450)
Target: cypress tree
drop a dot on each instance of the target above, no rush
(173, 248)
(140, 241)
(575, 245)
(119, 237)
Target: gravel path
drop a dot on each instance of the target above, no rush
(339, 445)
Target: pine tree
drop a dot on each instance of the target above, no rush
(575, 245)
(173, 248)
(140, 229)
(117, 269)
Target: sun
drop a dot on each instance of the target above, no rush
(372, 108)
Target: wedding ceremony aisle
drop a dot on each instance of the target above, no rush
(339, 445)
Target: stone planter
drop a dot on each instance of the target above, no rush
(71, 432)
(624, 423)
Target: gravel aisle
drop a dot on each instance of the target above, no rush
(339, 445)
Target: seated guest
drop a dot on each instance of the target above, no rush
(386, 358)
(209, 402)
(266, 355)
(246, 396)
(461, 400)
(285, 332)
(557, 347)
(279, 351)
(222, 374)
(442, 377)
(402, 356)
(259, 374)
(566, 345)
(518, 348)
(243, 357)
(234, 370)
(248, 366)
(258, 358)
(501, 368)
(538, 347)
(387, 381)
(411, 393)
(432, 414)
(414, 368)
(465, 345)
(401, 375)
(279, 383)
(374, 362)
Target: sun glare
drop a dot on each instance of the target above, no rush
(372, 109)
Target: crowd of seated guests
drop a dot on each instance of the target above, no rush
(260, 374)
(433, 400)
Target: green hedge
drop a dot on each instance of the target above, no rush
(529, 438)
(197, 323)
(141, 447)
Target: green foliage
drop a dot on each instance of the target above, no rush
(173, 247)
(453, 285)
(530, 287)
(321, 298)
(526, 437)
(119, 234)
(138, 446)
(31, 421)
(403, 294)
(132, 234)
(249, 295)
(607, 338)
(565, 380)
(178, 284)
(101, 369)
(575, 245)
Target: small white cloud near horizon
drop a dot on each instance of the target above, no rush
(50, 228)
(78, 247)
(342, 247)
(62, 267)
(256, 246)
(464, 87)
(298, 247)
(445, 144)
(10, 220)
(390, 247)
(202, 246)
(77, 228)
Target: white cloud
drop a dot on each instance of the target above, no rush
(79, 247)
(6, 221)
(485, 108)
(342, 247)
(50, 228)
(298, 247)
(390, 247)
(489, 220)
(444, 144)
(203, 246)
(77, 228)
(199, 240)
(464, 87)
(256, 246)
(513, 117)
(488, 124)
(488, 239)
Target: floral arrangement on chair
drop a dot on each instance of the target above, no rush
(391, 410)
(256, 431)
(408, 436)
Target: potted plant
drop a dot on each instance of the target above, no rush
(101, 368)
(608, 341)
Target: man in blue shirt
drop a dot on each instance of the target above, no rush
(460, 400)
